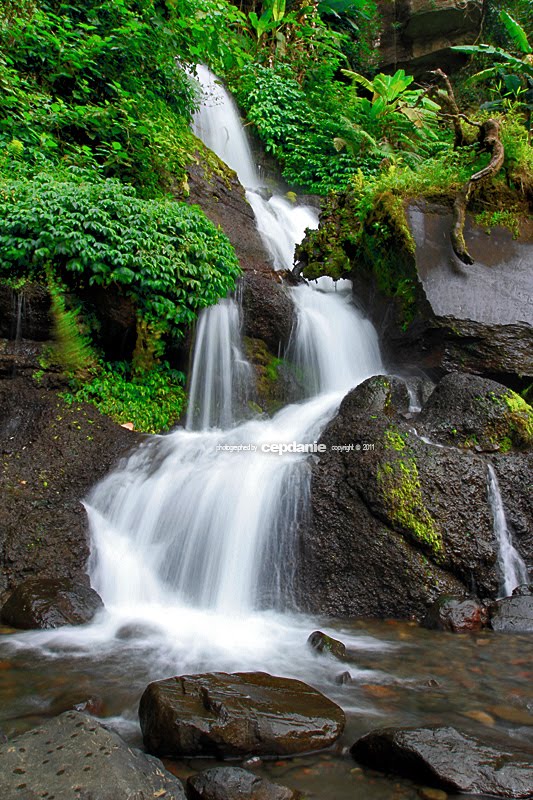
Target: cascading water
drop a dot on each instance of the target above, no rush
(210, 519)
(512, 568)
(281, 224)
(194, 539)
(221, 376)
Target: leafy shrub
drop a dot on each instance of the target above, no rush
(153, 401)
(168, 256)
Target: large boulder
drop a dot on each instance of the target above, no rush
(468, 411)
(268, 312)
(431, 310)
(217, 714)
(50, 603)
(234, 783)
(267, 309)
(395, 519)
(450, 760)
(73, 756)
(477, 318)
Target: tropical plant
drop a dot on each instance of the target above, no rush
(511, 74)
(166, 255)
(394, 118)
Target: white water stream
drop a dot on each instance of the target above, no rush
(513, 570)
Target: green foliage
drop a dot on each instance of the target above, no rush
(299, 128)
(71, 349)
(396, 118)
(153, 400)
(166, 255)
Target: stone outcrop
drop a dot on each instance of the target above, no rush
(395, 519)
(217, 714)
(450, 760)
(268, 313)
(74, 756)
(418, 34)
(52, 454)
(514, 614)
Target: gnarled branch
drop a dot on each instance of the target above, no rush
(489, 138)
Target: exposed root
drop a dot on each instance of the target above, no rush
(489, 138)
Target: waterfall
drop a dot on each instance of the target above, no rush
(221, 375)
(207, 518)
(513, 570)
(281, 224)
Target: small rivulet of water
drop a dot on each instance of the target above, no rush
(513, 570)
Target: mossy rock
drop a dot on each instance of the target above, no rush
(276, 381)
(473, 412)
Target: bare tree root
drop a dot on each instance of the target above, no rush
(489, 138)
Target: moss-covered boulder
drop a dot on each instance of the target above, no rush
(276, 380)
(397, 519)
(472, 412)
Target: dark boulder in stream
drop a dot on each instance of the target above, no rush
(50, 603)
(456, 615)
(217, 714)
(449, 759)
(73, 756)
(234, 783)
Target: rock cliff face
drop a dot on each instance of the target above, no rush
(418, 34)
(51, 456)
(476, 318)
(397, 518)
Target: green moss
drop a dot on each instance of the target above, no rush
(503, 218)
(268, 384)
(400, 487)
(520, 416)
(395, 440)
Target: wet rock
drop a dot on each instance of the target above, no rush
(275, 379)
(52, 455)
(24, 314)
(50, 603)
(217, 714)
(394, 521)
(267, 310)
(513, 614)
(74, 756)
(477, 319)
(323, 643)
(467, 411)
(418, 34)
(94, 705)
(450, 760)
(524, 590)
(215, 188)
(232, 783)
(456, 614)
(344, 678)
